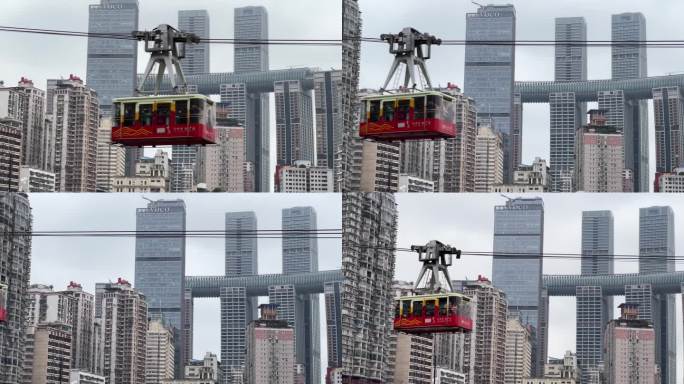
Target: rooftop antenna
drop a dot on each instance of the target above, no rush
(506, 197)
(150, 200)
(477, 4)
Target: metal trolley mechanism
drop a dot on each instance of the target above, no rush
(151, 120)
(411, 112)
(434, 307)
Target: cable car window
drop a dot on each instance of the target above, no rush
(181, 112)
(374, 110)
(163, 114)
(443, 307)
(116, 120)
(397, 309)
(464, 309)
(364, 112)
(196, 111)
(454, 305)
(434, 105)
(429, 308)
(212, 116)
(405, 308)
(417, 308)
(145, 114)
(403, 107)
(449, 113)
(419, 108)
(388, 110)
(129, 114)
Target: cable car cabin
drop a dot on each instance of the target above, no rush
(3, 303)
(447, 312)
(164, 120)
(408, 116)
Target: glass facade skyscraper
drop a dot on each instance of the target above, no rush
(518, 265)
(656, 252)
(196, 59)
(160, 266)
(490, 70)
(300, 254)
(251, 23)
(594, 309)
(629, 62)
(112, 63)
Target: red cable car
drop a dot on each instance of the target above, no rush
(164, 120)
(436, 313)
(3, 302)
(408, 116)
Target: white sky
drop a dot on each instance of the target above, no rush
(535, 20)
(41, 57)
(58, 260)
(467, 222)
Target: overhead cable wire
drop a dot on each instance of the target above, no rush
(671, 43)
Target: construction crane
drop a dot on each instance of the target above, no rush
(411, 112)
(177, 119)
(434, 307)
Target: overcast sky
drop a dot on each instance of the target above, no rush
(467, 222)
(42, 57)
(535, 20)
(56, 260)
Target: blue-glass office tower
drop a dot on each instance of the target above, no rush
(251, 23)
(112, 63)
(300, 254)
(197, 56)
(594, 310)
(160, 267)
(656, 252)
(518, 265)
(490, 70)
(630, 62)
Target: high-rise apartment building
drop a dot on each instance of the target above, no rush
(668, 113)
(490, 69)
(221, 166)
(110, 160)
(112, 64)
(35, 180)
(489, 332)
(328, 109)
(345, 179)
(294, 122)
(518, 363)
(519, 231)
(413, 359)
(15, 267)
(26, 103)
(124, 332)
(75, 119)
(302, 177)
(270, 349)
(10, 154)
(184, 164)
(160, 267)
(629, 62)
(489, 159)
(599, 156)
(82, 318)
(159, 364)
(196, 59)
(379, 169)
(570, 59)
(630, 349)
(656, 249)
(47, 355)
(235, 312)
(369, 236)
